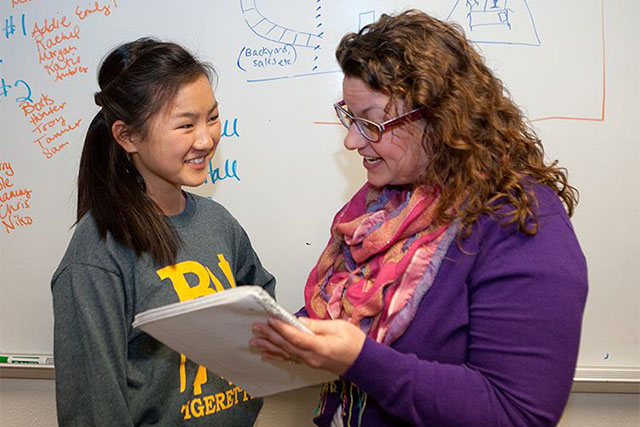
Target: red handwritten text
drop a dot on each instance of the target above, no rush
(15, 3)
(55, 38)
(14, 202)
(49, 124)
(96, 7)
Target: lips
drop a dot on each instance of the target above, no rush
(196, 161)
(371, 162)
(371, 159)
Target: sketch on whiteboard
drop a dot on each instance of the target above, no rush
(366, 18)
(263, 27)
(496, 21)
(290, 40)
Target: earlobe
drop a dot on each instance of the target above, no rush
(123, 136)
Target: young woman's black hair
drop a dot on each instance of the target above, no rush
(136, 80)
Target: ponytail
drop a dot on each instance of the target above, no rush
(113, 190)
(136, 79)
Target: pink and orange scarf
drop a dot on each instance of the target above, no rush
(382, 257)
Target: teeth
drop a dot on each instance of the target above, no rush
(371, 159)
(196, 161)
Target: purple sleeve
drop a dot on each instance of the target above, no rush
(526, 299)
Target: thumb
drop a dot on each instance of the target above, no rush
(306, 321)
(313, 324)
(318, 326)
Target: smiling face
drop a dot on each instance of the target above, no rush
(398, 158)
(180, 140)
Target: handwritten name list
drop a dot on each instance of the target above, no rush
(57, 38)
(15, 202)
(49, 124)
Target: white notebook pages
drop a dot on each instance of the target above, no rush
(215, 330)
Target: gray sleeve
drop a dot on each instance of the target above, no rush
(90, 347)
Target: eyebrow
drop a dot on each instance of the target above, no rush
(190, 115)
(366, 110)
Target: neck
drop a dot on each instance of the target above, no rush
(170, 203)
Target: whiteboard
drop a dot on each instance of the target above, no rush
(281, 168)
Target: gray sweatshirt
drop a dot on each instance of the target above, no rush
(110, 374)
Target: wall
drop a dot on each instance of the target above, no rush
(32, 403)
(572, 68)
(570, 65)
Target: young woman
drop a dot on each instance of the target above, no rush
(141, 242)
(452, 289)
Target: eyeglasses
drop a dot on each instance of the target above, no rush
(372, 131)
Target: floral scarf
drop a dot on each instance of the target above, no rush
(382, 257)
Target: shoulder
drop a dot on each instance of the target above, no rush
(87, 249)
(553, 248)
(547, 201)
(493, 241)
(85, 240)
(546, 207)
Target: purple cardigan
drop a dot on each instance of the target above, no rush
(495, 339)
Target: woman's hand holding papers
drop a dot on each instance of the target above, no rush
(334, 346)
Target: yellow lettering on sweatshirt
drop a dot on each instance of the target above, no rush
(226, 269)
(177, 275)
(206, 283)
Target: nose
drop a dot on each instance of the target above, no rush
(354, 139)
(204, 140)
(203, 143)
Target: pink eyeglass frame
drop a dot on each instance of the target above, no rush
(411, 116)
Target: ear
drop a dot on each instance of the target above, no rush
(124, 137)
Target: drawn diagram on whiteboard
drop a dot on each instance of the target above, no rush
(285, 49)
(366, 18)
(496, 21)
(265, 28)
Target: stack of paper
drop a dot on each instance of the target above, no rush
(215, 330)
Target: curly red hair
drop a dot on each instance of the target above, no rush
(482, 151)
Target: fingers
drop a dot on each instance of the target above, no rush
(334, 345)
(298, 339)
(322, 327)
(272, 339)
(269, 349)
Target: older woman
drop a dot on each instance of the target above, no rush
(452, 289)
